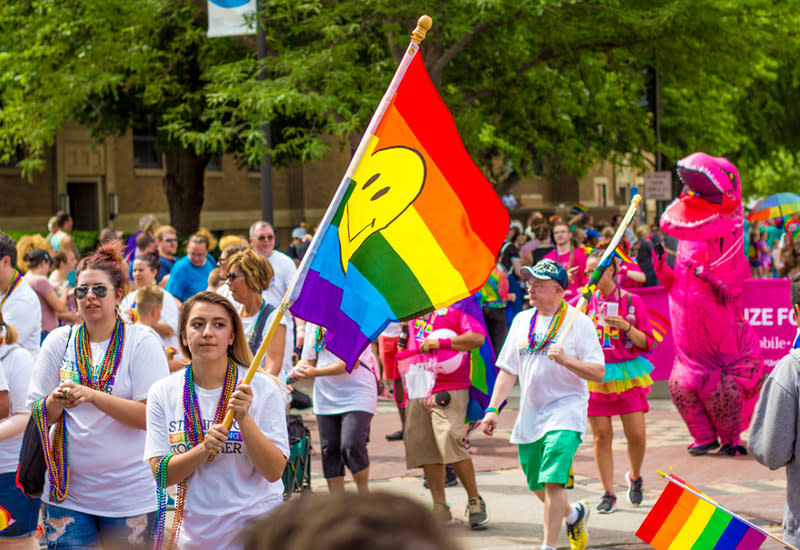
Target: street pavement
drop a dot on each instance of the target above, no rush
(739, 483)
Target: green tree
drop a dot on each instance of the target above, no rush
(110, 65)
(533, 84)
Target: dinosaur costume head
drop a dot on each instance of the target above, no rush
(710, 205)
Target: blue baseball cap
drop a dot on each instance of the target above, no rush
(547, 269)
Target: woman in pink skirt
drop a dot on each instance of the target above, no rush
(623, 327)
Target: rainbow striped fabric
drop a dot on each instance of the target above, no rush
(419, 226)
(5, 519)
(684, 519)
(482, 371)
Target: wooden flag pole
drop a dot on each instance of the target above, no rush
(418, 35)
(683, 486)
(605, 261)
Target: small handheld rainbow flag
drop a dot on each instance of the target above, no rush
(5, 519)
(415, 225)
(683, 518)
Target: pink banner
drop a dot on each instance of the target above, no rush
(768, 309)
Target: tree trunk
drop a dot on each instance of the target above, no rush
(184, 186)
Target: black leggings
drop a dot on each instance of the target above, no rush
(343, 439)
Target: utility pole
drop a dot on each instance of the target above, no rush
(267, 213)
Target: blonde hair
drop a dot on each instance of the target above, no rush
(257, 270)
(11, 332)
(147, 298)
(205, 233)
(163, 230)
(229, 240)
(28, 243)
(239, 351)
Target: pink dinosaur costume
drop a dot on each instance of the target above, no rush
(718, 368)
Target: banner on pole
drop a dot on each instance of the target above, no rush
(767, 307)
(230, 17)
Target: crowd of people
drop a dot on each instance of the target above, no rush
(128, 358)
(773, 247)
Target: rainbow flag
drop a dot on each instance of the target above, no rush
(417, 227)
(5, 519)
(683, 518)
(622, 255)
(482, 372)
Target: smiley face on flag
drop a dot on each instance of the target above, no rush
(385, 184)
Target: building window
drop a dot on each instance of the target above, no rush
(214, 164)
(600, 194)
(145, 153)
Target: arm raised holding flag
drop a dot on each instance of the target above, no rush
(414, 225)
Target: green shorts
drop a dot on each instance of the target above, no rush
(549, 460)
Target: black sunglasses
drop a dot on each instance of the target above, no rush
(265, 237)
(232, 276)
(82, 291)
(170, 240)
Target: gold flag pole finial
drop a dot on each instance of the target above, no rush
(424, 24)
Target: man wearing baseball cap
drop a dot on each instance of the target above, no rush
(553, 366)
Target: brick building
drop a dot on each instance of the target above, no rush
(115, 182)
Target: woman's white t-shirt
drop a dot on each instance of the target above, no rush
(170, 314)
(552, 397)
(346, 392)
(16, 366)
(107, 477)
(223, 494)
(249, 324)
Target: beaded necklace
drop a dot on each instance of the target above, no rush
(194, 435)
(12, 286)
(258, 318)
(192, 419)
(552, 329)
(55, 455)
(113, 356)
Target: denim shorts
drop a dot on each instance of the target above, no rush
(23, 510)
(68, 529)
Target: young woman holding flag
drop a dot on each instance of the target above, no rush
(625, 334)
(225, 477)
(90, 383)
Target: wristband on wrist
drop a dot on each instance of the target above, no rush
(444, 343)
(492, 410)
(630, 326)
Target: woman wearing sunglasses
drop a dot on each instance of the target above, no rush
(225, 477)
(248, 276)
(90, 385)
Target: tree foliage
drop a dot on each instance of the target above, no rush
(531, 83)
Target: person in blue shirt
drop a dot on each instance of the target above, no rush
(189, 275)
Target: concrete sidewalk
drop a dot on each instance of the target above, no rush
(739, 483)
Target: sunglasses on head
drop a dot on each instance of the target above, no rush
(265, 237)
(82, 291)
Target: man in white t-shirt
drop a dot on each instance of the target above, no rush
(18, 301)
(553, 369)
(262, 239)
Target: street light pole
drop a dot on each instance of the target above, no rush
(267, 213)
